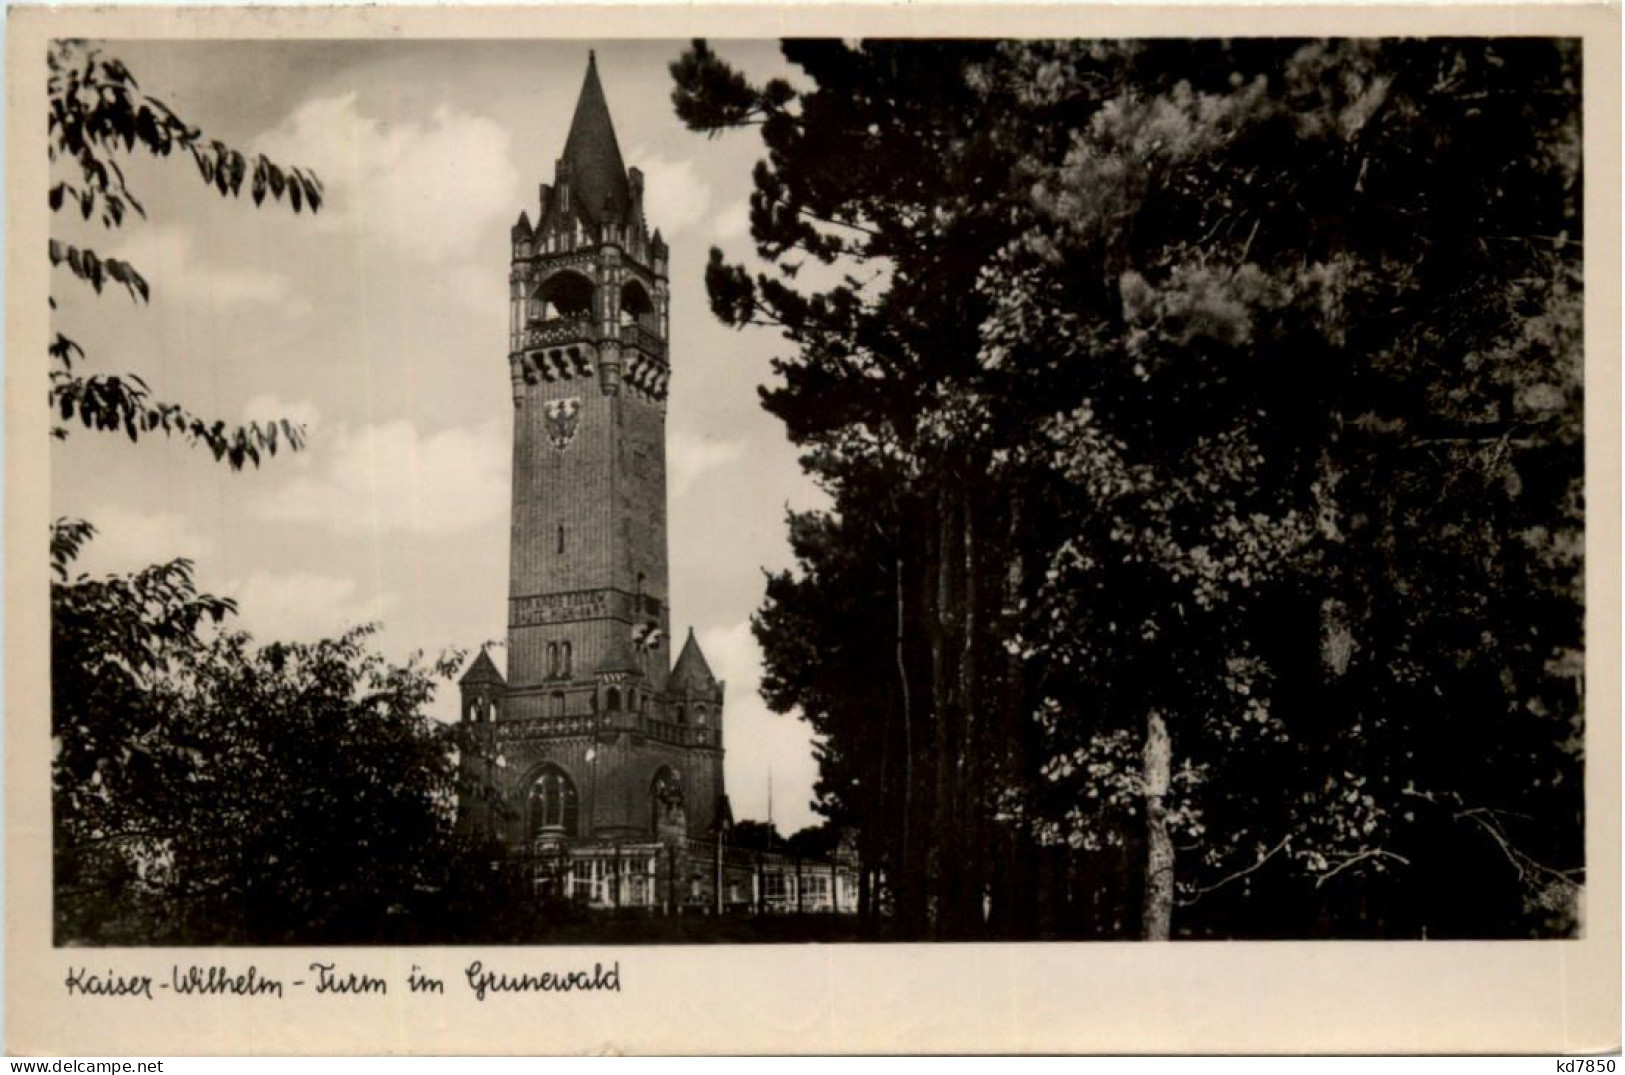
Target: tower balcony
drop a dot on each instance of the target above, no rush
(585, 330)
(524, 728)
(682, 735)
(644, 339)
(557, 330)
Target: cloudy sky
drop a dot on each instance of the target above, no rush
(381, 323)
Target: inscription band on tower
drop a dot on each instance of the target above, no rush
(535, 610)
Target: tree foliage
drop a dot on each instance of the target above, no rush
(1203, 428)
(882, 355)
(205, 789)
(208, 790)
(823, 615)
(1326, 466)
(97, 115)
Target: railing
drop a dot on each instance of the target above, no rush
(635, 335)
(545, 727)
(677, 734)
(559, 330)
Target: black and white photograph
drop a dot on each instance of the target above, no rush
(621, 494)
(817, 490)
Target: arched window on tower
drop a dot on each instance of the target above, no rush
(636, 307)
(564, 653)
(558, 703)
(682, 715)
(552, 660)
(561, 297)
(553, 808)
(612, 700)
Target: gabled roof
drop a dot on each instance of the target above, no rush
(482, 670)
(691, 672)
(598, 183)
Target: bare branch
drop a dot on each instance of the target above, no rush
(1238, 875)
(1373, 853)
(1521, 861)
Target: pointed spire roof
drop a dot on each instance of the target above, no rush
(691, 673)
(598, 183)
(482, 670)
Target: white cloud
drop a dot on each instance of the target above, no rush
(675, 198)
(171, 262)
(300, 605)
(288, 605)
(129, 540)
(388, 478)
(733, 222)
(690, 456)
(734, 657)
(758, 739)
(427, 187)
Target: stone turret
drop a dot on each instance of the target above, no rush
(695, 692)
(482, 687)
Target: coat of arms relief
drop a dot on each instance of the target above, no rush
(561, 416)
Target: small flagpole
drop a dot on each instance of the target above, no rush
(770, 796)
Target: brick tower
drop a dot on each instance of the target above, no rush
(592, 735)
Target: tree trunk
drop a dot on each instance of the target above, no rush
(1013, 883)
(1157, 916)
(972, 819)
(945, 843)
(907, 887)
